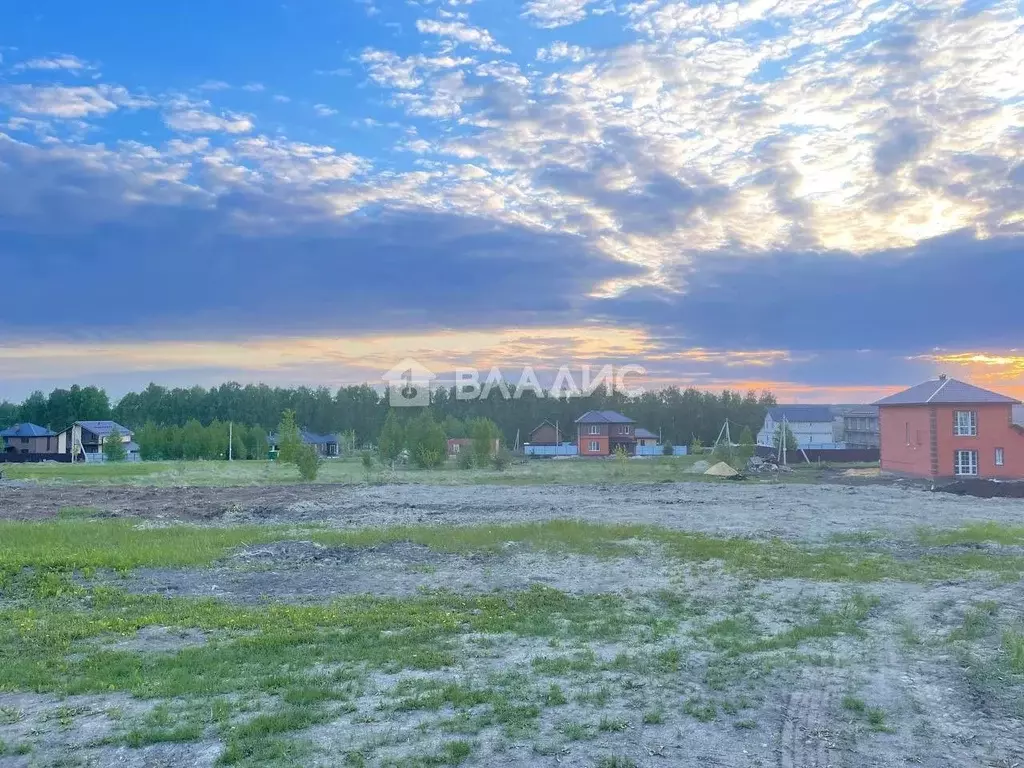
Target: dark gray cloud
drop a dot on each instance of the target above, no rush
(954, 291)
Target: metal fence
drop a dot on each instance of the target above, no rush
(570, 449)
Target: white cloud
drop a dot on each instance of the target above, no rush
(197, 121)
(556, 13)
(280, 99)
(69, 102)
(214, 85)
(322, 110)
(254, 87)
(63, 61)
(461, 33)
(560, 50)
(298, 163)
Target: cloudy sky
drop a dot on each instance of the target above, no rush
(821, 197)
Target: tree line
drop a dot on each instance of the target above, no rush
(679, 415)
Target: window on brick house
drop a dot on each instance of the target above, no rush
(594, 446)
(965, 423)
(966, 463)
(595, 429)
(1000, 457)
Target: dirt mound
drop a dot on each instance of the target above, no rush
(985, 489)
(721, 469)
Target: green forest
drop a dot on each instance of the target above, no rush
(200, 416)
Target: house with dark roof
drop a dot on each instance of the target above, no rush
(325, 445)
(948, 428)
(545, 433)
(84, 440)
(28, 438)
(644, 437)
(600, 433)
(813, 426)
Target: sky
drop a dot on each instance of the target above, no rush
(824, 198)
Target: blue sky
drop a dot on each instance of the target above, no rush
(826, 198)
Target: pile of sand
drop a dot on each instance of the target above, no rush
(721, 469)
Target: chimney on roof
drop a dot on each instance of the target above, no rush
(942, 377)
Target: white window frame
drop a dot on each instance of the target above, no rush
(1000, 457)
(594, 446)
(964, 462)
(965, 427)
(595, 429)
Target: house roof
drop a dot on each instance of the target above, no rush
(312, 438)
(644, 433)
(103, 428)
(863, 410)
(309, 438)
(543, 424)
(603, 417)
(805, 413)
(26, 430)
(945, 390)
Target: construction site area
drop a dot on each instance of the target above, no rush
(709, 622)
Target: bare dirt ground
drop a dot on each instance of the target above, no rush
(789, 511)
(750, 674)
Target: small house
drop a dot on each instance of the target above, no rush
(28, 438)
(813, 426)
(601, 433)
(545, 433)
(645, 438)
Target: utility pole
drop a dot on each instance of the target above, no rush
(231, 440)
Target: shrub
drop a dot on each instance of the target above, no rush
(289, 439)
(113, 447)
(367, 459)
(392, 439)
(667, 449)
(501, 459)
(483, 432)
(426, 441)
(464, 459)
(696, 446)
(308, 462)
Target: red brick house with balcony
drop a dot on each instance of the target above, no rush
(599, 433)
(947, 428)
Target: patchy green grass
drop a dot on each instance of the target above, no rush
(1013, 647)
(974, 533)
(121, 544)
(655, 469)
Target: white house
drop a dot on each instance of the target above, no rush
(84, 440)
(813, 426)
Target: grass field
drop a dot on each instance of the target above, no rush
(223, 473)
(97, 668)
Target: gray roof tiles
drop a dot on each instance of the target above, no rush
(103, 428)
(944, 391)
(603, 417)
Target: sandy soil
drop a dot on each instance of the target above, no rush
(790, 511)
(945, 702)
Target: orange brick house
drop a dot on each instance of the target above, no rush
(947, 428)
(599, 433)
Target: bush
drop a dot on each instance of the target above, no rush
(289, 439)
(484, 432)
(113, 446)
(464, 459)
(501, 459)
(667, 449)
(426, 441)
(696, 447)
(367, 459)
(308, 461)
